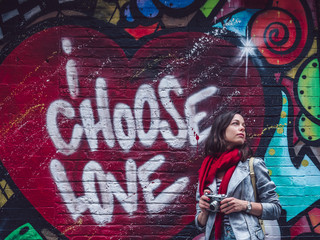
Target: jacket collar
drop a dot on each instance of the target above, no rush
(240, 173)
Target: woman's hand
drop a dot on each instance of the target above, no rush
(204, 201)
(204, 206)
(231, 205)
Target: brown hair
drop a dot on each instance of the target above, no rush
(216, 142)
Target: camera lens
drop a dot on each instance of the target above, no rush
(214, 206)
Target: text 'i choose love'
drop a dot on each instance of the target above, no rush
(124, 125)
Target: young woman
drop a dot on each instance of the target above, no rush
(225, 170)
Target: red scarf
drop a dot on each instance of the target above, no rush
(227, 161)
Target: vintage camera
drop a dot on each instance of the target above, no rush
(215, 200)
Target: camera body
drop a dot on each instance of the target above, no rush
(215, 200)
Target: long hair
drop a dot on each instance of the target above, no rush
(216, 143)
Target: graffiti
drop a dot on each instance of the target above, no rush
(105, 106)
(15, 16)
(145, 94)
(271, 37)
(152, 11)
(307, 97)
(126, 142)
(26, 231)
(6, 192)
(103, 133)
(108, 185)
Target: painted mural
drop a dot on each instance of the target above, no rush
(105, 106)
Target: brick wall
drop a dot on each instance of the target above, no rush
(105, 106)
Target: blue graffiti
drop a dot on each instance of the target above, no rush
(147, 12)
(147, 8)
(128, 15)
(176, 4)
(238, 22)
(298, 188)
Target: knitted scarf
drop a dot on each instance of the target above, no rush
(227, 162)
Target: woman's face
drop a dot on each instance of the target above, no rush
(235, 134)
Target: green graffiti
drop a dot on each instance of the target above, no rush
(207, 8)
(24, 232)
(308, 88)
(309, 130)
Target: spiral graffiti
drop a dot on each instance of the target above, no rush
(278, 36)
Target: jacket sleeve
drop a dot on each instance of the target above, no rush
(198, 212)
(266, 192)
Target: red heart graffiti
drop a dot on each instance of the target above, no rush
(104, 145)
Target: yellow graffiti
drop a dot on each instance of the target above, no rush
(278, 127)
(272, 152)
(283, 114)
(305, 163)
(20, 118)
(17, 91)
(109, 11)
(284, 101)
(74, 226)
(6, 193)
(21, 85)
(78, 224)
(280, 130)
(93, 234)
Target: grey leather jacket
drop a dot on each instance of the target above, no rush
(246, 226)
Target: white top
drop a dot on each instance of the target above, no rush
(226, 217)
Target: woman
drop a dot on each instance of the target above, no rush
(225, 170)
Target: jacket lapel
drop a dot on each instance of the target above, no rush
(239, 174)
